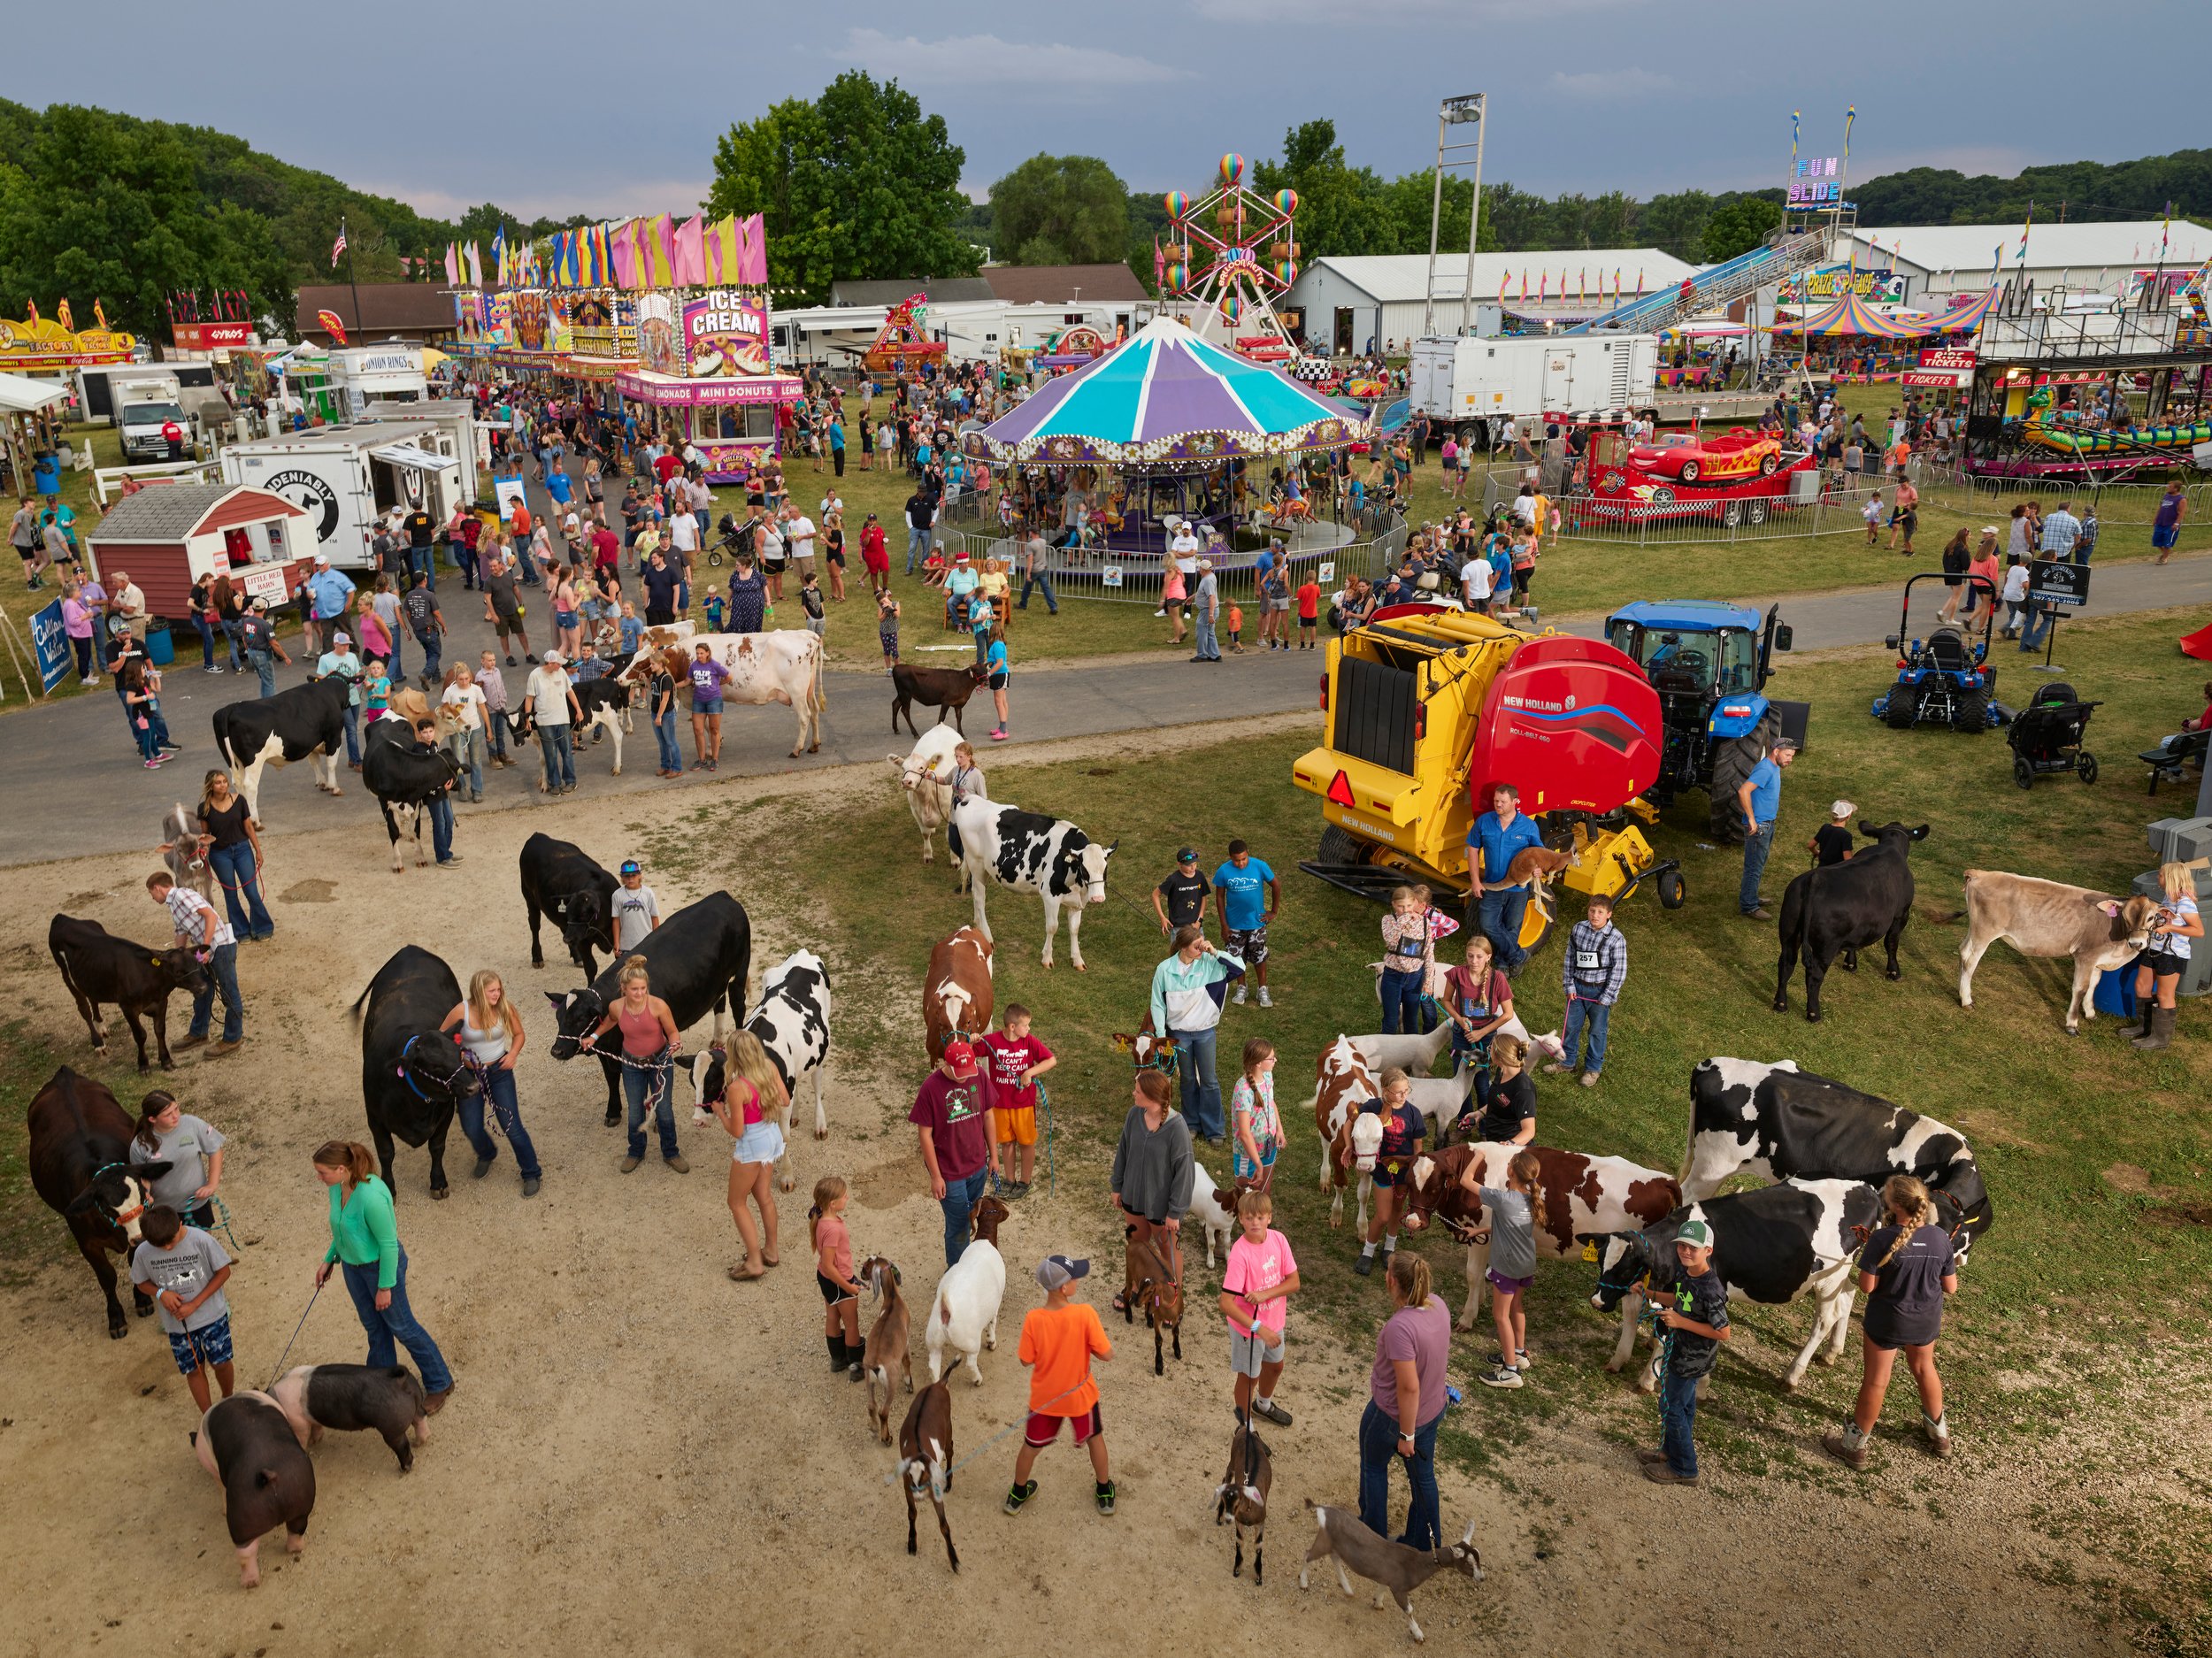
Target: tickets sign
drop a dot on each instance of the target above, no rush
(725, 335)
(1957, 357)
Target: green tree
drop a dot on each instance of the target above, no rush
(1341, 208)
(1739, 225)
(856, 184)
(1061, 210)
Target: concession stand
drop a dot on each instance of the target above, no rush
(703, 373)
(169, 536)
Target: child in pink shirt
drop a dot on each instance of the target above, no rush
(1260, 1272)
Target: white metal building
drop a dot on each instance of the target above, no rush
(1939, 260)
(1348, 302)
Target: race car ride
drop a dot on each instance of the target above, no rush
(1743, 452)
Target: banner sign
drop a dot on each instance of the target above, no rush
(659, 334)
(1814, 183)
(49, 643)
(725, 334)
(1935, 379)
(211, 336)
(1947, 356)
(2054, 581)
(730, 460)
(1831, 282)
(770, 389)
(41, 342)
(266, 581)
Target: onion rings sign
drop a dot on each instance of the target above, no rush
(725, 334)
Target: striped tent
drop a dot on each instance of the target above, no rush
(1851, 315)
(1164, 395)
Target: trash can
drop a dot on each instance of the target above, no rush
(159, 650)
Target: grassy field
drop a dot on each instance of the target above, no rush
(2092, 1285)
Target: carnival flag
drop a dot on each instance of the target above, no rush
(1543, 285)
(752, 251)
(499, 257)
(624, 252)
(99, 317)
(2021, 257)
(661, 257)
(475, 265)
(690, 262)
(1504, 278)
(1525, 285)
(452, 266)
(62, 316)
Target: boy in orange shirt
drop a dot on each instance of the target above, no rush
(1236, 630)
(1059, 1340)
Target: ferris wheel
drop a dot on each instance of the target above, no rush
(1235, 253)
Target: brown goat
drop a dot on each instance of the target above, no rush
(1146, 1279)
(926, 1460)
(1537, 867)
(884, 1357)
(1397, 1569)
(1242, 1495)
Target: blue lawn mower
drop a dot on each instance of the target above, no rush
(1946, 678)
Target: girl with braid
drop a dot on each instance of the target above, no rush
(1905, 1270)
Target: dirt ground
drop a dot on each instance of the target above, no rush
(639, 1449)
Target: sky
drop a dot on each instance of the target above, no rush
(564, 107)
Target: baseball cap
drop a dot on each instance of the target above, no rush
(260, 604)
(1843, 809)
(322, 559)
(1695, 1233)
(555, 656)
(341, 639)
(630, 866)
(1785, 743)
(1186, 855)
(1055, 1270)
(961, 1058)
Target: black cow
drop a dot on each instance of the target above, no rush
(1844, 908)
(405, 780)
(699, 960)
(306, 720)
(79, 1158)
(412, 1072)
(944, 689)
(1784, 1124)
(99, 967)
(563, 881)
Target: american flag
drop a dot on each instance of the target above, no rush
(339, 246)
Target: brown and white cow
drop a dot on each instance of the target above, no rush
(1583, 1195)
(1350, 1137)
(957, 990)
(785, 666)
(925, 776)
(2039, 918)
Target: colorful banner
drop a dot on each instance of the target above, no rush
(1828, 282)
(529, 320)
(499, 319)
(41, 343)
(211, 336)
(604, 324)
(702, 393)
(660, 341)
(332, 324)
(725, 335)
(1952, 358)
(729, 460)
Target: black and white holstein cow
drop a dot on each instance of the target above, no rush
(406, 779)
(698, 962)
(412, 1073)
(792, 1022)
(566, 882)
(303, 722)
(1782, 1123)
(79, 1154)
(1843, 909)
(1031, 853)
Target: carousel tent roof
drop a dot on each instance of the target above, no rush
(1165, 394)
(1851, 315)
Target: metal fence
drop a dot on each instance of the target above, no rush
(1807, 509)
(2134, 503)
(1116, 575)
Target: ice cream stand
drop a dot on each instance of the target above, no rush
(704, 371)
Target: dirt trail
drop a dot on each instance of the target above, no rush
(641, 1448)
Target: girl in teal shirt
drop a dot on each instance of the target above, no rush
(365, 1247)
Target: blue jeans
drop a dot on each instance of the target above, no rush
(1500, 916)
(207, 642)
(1401, 1001)
(509, 1115)
(352, 718)
(1203, 637)
(1677, 1419)
(394, 1326)
(235, 868)
(222, 975)
(1377, 1447)
(433, 645)
(1755, 848)
(917, 546)
(2038, 624)
(1595, 1014)
(560, 757)
(231, 633)
(265, 664)
(143, 730)
(496, 730)
(440, 810)
(664, 734)
(1040, 579)
(471, 757)
(1201, 1095)
(961, 1195)
(659, 1082)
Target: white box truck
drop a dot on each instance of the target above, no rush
(149, 407)
(96, 385)
(348, 477)
(1474, 386)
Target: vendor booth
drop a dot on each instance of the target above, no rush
(703, 368)
(167, 536)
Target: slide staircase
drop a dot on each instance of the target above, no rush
(1710, 289)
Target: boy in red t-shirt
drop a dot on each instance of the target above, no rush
(1017, 1059)
(1308, 611)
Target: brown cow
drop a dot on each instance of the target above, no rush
(957, 990)
(945, 689)
(1583, 1195)
(1350, 1137)
(2038, 917)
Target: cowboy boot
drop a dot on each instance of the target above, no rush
(2162, 1031)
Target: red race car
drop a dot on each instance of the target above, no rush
(1744, 452)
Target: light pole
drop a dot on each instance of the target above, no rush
(1468, 108)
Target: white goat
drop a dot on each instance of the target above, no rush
(963, 1313)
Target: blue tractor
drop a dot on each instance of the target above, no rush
(1945, 679)
(1709, 663)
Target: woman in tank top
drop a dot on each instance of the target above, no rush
(751, 1106)
(490, 1030)
(649, 1045)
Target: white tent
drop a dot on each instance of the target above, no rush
(20, 394)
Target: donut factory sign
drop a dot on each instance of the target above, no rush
(725, 335)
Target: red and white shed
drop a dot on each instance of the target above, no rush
(167, 536)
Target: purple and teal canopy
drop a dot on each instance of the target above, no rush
(1164, 395)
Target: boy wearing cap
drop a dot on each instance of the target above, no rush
(1180, 900)
(636, 911)
(340, 660)
(952, 1117)
(1694, 1312)
(1832, 841)
(1059, 1340)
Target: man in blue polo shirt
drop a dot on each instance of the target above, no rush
(1760, 801)
(1247, 894)
(1496, 836)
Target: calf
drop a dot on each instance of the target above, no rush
(926, 1460)
(1151, 1280)
(956, 998)
(1341, 1535)
(1774, 1244)
(1583, 1195)
(1213, 1209)
(1031, 853)
(963, 1315)
(1414, 1053)
(303, 722)
(564, 881)
(2102, 933)
(1242, 1496)
(945, 689)
(884, 1355)
(412, 1073)
(268, 1480)
(406, 780)
(606, 703)
(1843, 907)
(1147, 1049)
(349, 1398)
(79, 1153)
(925, 780)
(1350, 1137)
(792, 1022)
(1782, 1123)
(96, 966)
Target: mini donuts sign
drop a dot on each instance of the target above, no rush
(725, 334)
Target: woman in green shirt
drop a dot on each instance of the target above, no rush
(365, 1246)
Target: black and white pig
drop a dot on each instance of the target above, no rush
(267, 1480)
(351, 1398)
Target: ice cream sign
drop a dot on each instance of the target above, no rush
(726, 333)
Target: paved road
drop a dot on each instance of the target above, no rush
(75, 785)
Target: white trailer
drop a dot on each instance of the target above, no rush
(456, 417)
(1474, 386)
(390, 372)
(348, 477)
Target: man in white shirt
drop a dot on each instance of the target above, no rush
(552, 704)
(798, 534)
(683, 535)
(832, 502)
(1476, 580)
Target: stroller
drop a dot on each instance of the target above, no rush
(2045, 736)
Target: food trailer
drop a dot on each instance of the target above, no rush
(704, 371)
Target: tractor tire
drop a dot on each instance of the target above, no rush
(1904, 712)
(1340, 845)
(1734, 758)
(1970, 712)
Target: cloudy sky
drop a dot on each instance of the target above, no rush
(561, 107)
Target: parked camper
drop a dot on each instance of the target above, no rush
(346, 477)
(1476, 385)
